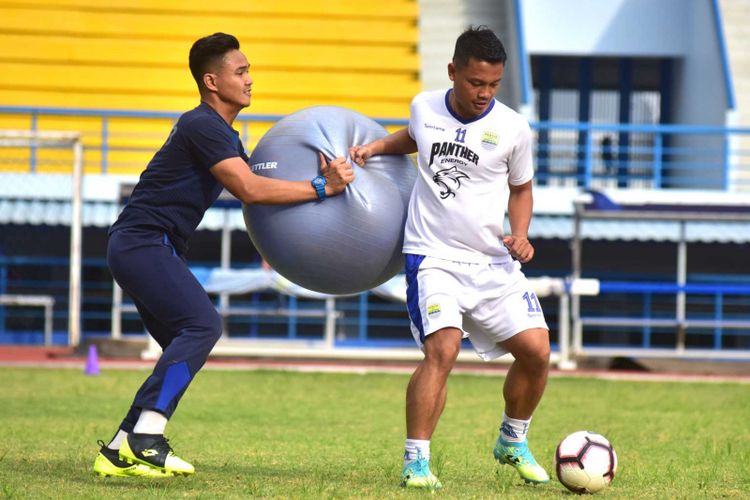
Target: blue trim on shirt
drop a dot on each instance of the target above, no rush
(462, 120)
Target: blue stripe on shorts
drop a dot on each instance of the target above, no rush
(412, 292)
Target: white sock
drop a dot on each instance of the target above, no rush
(514, 430)
(117, 440)
(416, 448)
(150, 422)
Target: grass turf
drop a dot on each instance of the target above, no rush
(315, 435)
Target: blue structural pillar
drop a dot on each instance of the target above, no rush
(254, 303)
(623, 140)
(646, 330)
(718, 307)
(657, 165)
(292, 321)
(584, 115)
(726, 163)
(362, 333)
(545, 87)
(665, 116)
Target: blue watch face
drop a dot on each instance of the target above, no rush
(319, 183)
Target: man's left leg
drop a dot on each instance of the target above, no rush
(182, 319)
(523, 389)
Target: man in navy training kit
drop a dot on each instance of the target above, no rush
(149, 240)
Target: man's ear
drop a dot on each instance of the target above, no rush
(209, 81)
(451, 71)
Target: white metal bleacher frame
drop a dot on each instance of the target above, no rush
(225, 345)
(37, 139)
(326, 348)
(564, 289)
(45, 301)
(682, 217)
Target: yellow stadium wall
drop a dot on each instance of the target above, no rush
(132, 55)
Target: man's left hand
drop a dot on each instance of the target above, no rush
(519, 247)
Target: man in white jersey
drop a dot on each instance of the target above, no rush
(463, 272)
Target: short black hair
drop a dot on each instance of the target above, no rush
(206, 52)
(480, 43)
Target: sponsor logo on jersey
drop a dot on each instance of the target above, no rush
(449, 180)
(452, 149)
(433, 309)
(265, 165)
(434, 127)
(490, 139)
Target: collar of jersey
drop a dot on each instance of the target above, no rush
(462, 120)
(207, 106)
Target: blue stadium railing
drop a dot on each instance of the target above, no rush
(645, 309)
(641, 156)
(569, 154)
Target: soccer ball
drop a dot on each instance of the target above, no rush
(585, 462)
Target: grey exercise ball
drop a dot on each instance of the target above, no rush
(344, 244)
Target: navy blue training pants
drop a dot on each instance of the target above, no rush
(175, 309)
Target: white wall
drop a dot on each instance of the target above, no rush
(680, 29)
(607, 27)
(442, 21)
(699, 88)
(699, 91)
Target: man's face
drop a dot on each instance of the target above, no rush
(474, 86)
(233, 82)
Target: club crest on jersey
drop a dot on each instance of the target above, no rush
(449, 180)
(490, 139)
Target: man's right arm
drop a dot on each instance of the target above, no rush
(397, 143)
(235, 175)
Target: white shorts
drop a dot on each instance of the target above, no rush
(489, 303)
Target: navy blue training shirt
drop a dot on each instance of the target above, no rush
(177, 187)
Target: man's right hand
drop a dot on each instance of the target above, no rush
(338, 174)
(360, 154)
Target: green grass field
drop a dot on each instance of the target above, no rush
(315, 435)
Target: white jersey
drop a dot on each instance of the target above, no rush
(458, 204)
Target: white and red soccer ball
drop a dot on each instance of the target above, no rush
(585, 462)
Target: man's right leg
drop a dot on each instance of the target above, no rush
(425, 400)
(427, 389)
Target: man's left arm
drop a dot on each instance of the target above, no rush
(520, 204)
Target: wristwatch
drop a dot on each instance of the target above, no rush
(319, 183)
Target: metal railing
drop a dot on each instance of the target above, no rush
(567, 154)
(642, 156)
(627, 317)
(703, 329)
(45, 301)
